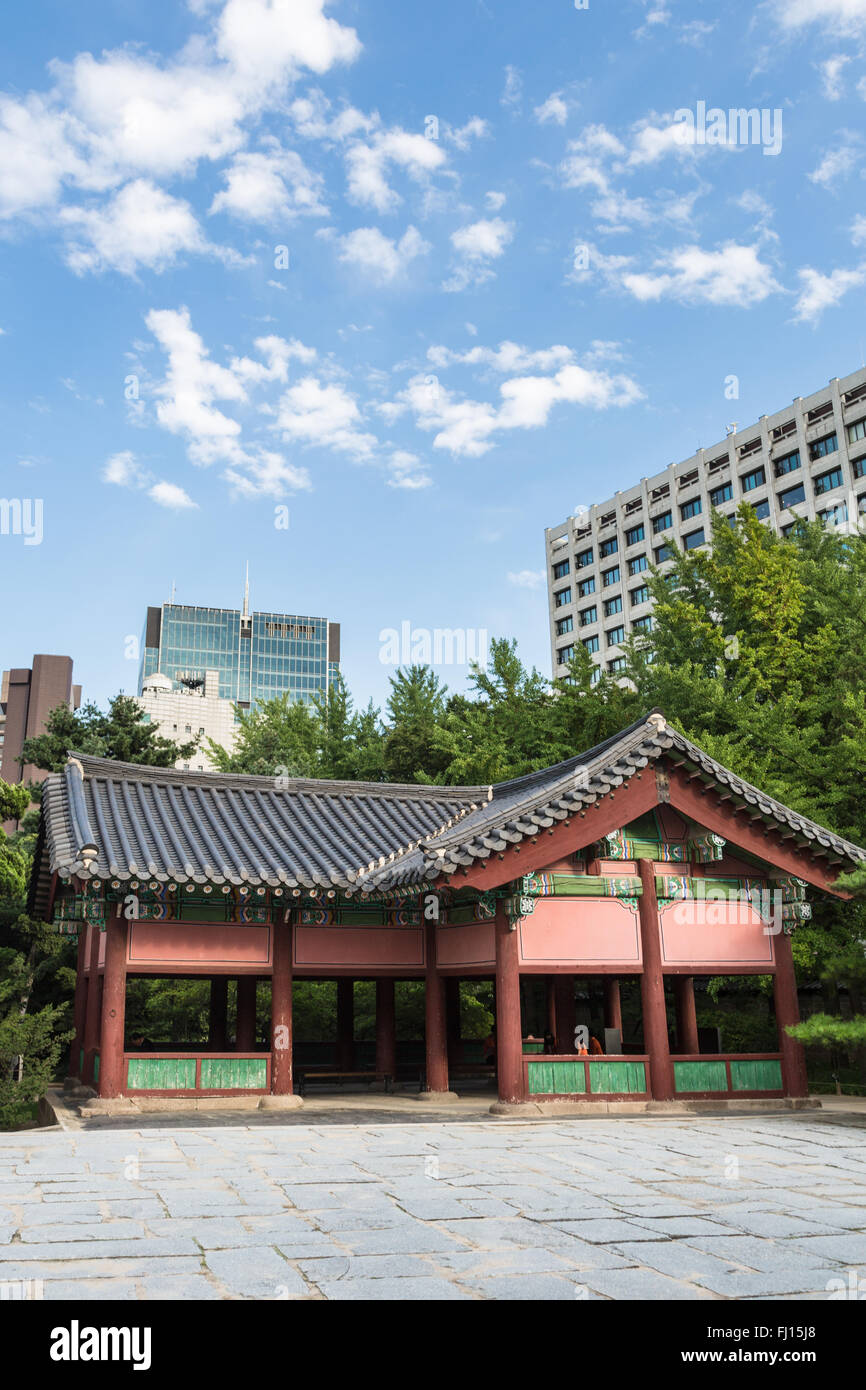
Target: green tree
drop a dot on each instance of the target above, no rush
(122, 732)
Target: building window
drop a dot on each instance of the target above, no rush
(750, 481)
(641, 595)
(638, 565)
(609, 577)
(596, 675)
(615, 637)
(663, 522)
(788, 463)
(564, 625)
(609, 547)
(720, 495)
(822, 447)
(792, 495)
(643, 624)
(664, 552)
(834, 515)
(585, 587)
(613, 605)
(588, 615)
(565, 655)
(617, 665)
(859, 466)
(583, 559)
(762, 509)
(561, 598)
(561, 570)
(694, 539)
(857, 431)
(690, 509)
(591, 644)
(634, 535)
(825, 482)
(861, 503)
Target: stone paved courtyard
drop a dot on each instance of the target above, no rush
(698, 1208)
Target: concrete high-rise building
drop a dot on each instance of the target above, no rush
(806, 461)
(27, 697)
(197, 663)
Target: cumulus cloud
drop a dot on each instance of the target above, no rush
(406, 471)
(172, 496)
(368, 162)
(140, 226)
(477, 245)
(474, 129)
(819, 292)
(831, 75)
(554, 109)
(527, 579)
(123, 470)
(323, 416)
(378, 256)
(270, 186)
(467, 427)
(733, 275)
(835, 16)
(507, 357)
(836, 164)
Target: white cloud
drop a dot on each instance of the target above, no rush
(467, 427)
(477, 245)
(512, 92)
(35, 155)
(507, 357)
(733, 275)
(819, 292)
(140, 226)
(380, 258)
(272, 186)
(323, 417)
(527, 579)
(837, 16)
(172, 496)
(695, 31)
(474, 129)
(494, 200)
(268, 475)
(268, 41)
(555, 109)
(831, 75)
(836, 164)
(193, 382)
(368, 163)
(123, 470)
(407, 472)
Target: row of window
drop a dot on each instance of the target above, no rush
(614, 637)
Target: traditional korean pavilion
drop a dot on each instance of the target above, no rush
(642, 859)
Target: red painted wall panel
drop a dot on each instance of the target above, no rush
(580, 931)
(359, 946)
(197, 943)
(474, 943)
(714, 933)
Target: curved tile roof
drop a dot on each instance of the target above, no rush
(106, 819)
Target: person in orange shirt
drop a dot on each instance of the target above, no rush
(595, 1046)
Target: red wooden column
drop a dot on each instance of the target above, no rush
(91, 1018)
(612, 1003)
(217, 1033)
(111, 1078)
(386, 1030)
(245, 1032)
(794, 1081)
(551, 1006)
(687, 1019)
(76, 1067)
(452, 1018)
(281, 1013)
(345, 1024)
(652, 987)
(565, 1013)
(435, 1033)
(509, 1037)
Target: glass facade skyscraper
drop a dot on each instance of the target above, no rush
(258, 655)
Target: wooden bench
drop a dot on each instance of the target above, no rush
(306, 1074)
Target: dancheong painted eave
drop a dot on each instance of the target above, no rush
(109, 820)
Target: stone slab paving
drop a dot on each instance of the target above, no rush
(755, 1207)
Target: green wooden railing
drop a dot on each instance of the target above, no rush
(754, 1073)
(197, 1073)
(586, 1076)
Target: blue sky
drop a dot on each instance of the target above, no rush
(428, 275)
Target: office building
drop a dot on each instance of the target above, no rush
(806, 461)
(27, 697)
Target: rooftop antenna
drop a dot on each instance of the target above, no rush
(246, 612)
